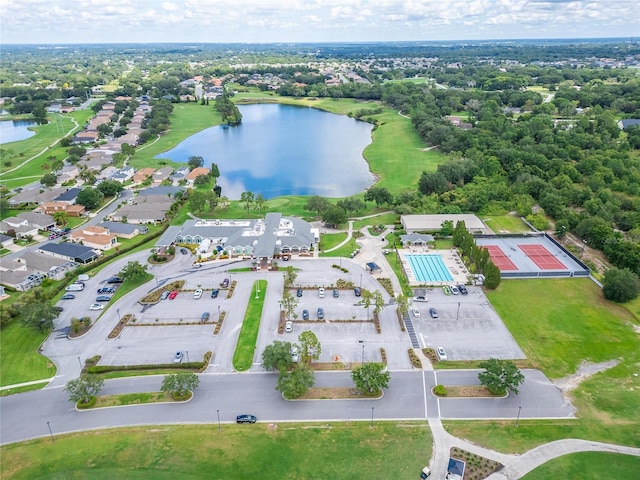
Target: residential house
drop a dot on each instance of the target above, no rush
(416, 239)
(86, 137)
(18, 227)
(95, 237)
(52, 267)
(457, 122)
(5, 241)
(50, 208)
(124, 230)
(35, 196)
(68, 173)
(628, 122)
(123, 175)
(69, 251)
(38, 220)
(142, 174)
(96, 160)
(195, 173)
(69, 197)
(180, 173)
(144, 209)
(162, 174)
(168, 191)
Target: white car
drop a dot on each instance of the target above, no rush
(455, 290)
(96, 306)
(416, 312)
(288, 327)
(197, 293)
(294, 353)
(442, 355)
(321, 292)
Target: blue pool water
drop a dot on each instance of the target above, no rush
(429, 268)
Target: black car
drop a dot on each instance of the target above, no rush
(103, 298)
(58, 309)
(68, 296)
(336, 293)
(246, 419)
(115, 280)
(214, 293)
(433, 312)
(299, 292)
(357, 292)
(105, 290)
(184, 251)
(320, 313)
(305, 314)
(463, 290)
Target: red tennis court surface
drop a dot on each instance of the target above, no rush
(542, 257)
(499, 259)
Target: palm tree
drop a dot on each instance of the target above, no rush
(61, 218)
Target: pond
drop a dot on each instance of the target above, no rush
(15, 130)
(284, 150)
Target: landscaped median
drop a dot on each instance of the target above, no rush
(246, 346)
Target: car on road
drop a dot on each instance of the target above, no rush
(442, 355)
(433, 312)
(299, 292)
(416, 312)
(184, 251)
(294, 353)
(463, 290)
(165, 295)
(246, 419)
(357, 292)
(205, 317)
(68, 296)
(321, 292)
(455, 290)
(197, 293)
(288, 326)
(96, 306)
(103, 298)
(214, 293)
(336, 293)
(177, 358)
(173, 295)
(320, 313)
(58, 309)
(425, 473)
(115, 280)
(105, 290)
(225, 283)
(305, 314)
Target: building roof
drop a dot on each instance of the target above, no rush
(34, 195)
(434, 222)
(37, 219)
(121, 227)
(628, 122)
(166, 191)
(70, 250)
(196, 172)
(69, 195)
(413, 237)
(169, 236)
(43, 263)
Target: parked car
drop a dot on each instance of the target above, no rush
(96, 306)
(420, 298)
(320, 313)
(173, 295)
(425, 473)
(416, 312)
(336, 293)
(305, 314)
(463, 290)
(455, 290)
(103, 298)
(433, 312)
(321, 292)
(288, 326)
(246, 419)
(177, 358)
(225, 283)
(165, 295)
(446, 290)
(184, 251)
(205, 317)
(214, 293)
(294, 353)
(75, 287)
(105, 290)
(58, 309)
(115, 280)
(357, 291)
(442, 355)
(68, 296)
(197, 293)
(299, 292)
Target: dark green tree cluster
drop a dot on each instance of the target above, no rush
(478, 257)
(229, 111)
(620, 285)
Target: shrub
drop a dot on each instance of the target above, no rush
(440, 390)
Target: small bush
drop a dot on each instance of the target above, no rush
(92, 401)
(440, 390)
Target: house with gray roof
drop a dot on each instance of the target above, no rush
(18, 226)
(628, 122)
(169, 191)
(52, 267)
(416, 239)
(124, 230)
(5, 241)
(69, 251)
(69, 196)
(38, 220)
(162, 174)
(36, 196)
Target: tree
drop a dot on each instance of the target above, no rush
(310, 347)
(215, 171)
(195, 162)
(296, 382)
(317, 204)
(133, 271)
(212, 200)
(110, 188)
(260, 202)
(334, 215)
(49, 180)
(371, 377)
(380, 195)
(500, 376)
(290, 276)
(56, 164)
(492, 276)
(277, 356)
(620, 285)
(289, 304)
(60, 217)
(446, 229)
(198, 201)
(247, 198)
(351, 205)
(90, 198)
(202, 180)
(378, 302)
(38, 315)
(180, 384)
(403, 303)
(84, 388)
(366, 300)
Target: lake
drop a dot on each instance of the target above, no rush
(284, 150)
(15, 130)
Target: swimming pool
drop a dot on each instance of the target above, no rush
(429, 268)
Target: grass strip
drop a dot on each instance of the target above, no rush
(21, 361)
(246, 346)
(137, 398)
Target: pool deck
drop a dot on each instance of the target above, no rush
(450, 259)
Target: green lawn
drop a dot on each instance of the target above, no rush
(21, 361)
(167, 452)
(505, 223)
(343, 251)
(384, 219)
(243, 356)
(588, 466)
(330, 240)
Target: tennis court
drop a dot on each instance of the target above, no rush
(499, 258)
(542, 257)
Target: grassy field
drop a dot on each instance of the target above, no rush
(505, 224)
(588, 466)
(330, 240)
(558, 323)
(343, 251)
(243, 356)
(21, 361)
(290, 451)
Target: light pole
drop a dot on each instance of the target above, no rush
(218, 312)
(50, 432)
(458, 312)
(118, 312)
(371, 417)
(80, 363)
(218, 412)
(518, 419)
(360, 280)
(187, 352)
(362, 342)
(256, 290)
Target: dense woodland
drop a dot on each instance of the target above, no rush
(554, 154)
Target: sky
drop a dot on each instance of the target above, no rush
(267, 21)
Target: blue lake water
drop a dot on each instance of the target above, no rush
(284, 150)
(15, 130)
